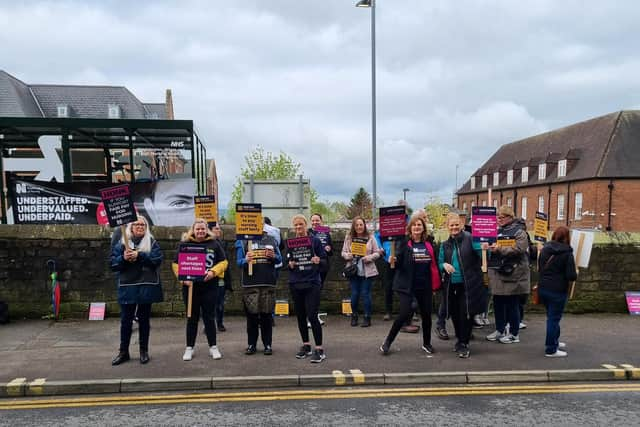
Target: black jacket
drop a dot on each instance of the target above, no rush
(470, 263)
(557, 267)
(405, 267)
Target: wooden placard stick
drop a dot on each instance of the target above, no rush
(572, 287)
(250, 246)
(189, 300)
(393, 254)
(123, 231)
(484, 261)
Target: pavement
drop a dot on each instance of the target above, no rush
(74, 357)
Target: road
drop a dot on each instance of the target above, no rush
(591, 404)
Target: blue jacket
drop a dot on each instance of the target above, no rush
(138, 282)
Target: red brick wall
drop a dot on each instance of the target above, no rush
(595, 203)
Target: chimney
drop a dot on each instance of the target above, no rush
(168, 105)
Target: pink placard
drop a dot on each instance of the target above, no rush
(97, 310)
(484, 224)
(191, 265)
(633, 302)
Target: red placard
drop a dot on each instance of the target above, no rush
(393, 222)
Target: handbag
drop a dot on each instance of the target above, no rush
(350, 270)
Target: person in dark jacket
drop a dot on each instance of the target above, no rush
(138, 279)
(224, 282)
(204, 290)
(557, 269)
(416, 277)
(259, 288)
(464, 294)
(304, 284)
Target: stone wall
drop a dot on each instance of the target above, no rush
(81, 253)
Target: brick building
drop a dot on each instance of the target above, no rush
(586, 175)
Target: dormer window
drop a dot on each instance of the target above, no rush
(473, 182)
(63, 110)
(542, 171)
(496, 179)
(114, 111)
(525, 174)
(562, 168)
(510, 177)
(484, 181)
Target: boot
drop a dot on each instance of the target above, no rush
(354, 319)
(366, 322)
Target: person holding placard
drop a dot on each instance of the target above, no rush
(204, 289)
(360, 248)
(509, 275)
(224, 283)
(304, 283)
(416, 277)
(138, 278)
(464, 293)
(259, 288)
(557, 269)
(319, 230)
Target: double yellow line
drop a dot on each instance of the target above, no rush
(174, 399)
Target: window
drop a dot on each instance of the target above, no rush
(473, 182)
(484, 203)
(578, 206)
(542, 171)
(540, 203)
(114, 111)
(484, 181)
(525, 174)
(562, 168)
(496, 179)
(464, 206)
(510, 176)
(495, 203)
(509, 202)
(560, 206)
(524, 208)
(473, 203)
(63, 111)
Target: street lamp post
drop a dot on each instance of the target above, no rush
(404, 194)
(372, 5)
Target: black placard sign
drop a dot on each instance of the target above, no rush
(118, 205)
(299, 249)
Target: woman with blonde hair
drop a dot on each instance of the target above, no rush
(366, 269)
(416, 277)
(204, 290)
(136, 259)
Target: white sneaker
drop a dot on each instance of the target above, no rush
(308, 324)
(509, 339)
(558, 353)
(214, 352)
(486, 320)
(523, 325)
(494, 336)
(562, 345)
(188, 354)
(320, 320)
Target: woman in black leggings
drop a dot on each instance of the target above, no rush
(304, 283)
(416, 277)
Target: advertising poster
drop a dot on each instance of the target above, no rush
(192, 262)
(299, 249)
(392, 222)
(248, 221)
(485, 224)
(540, 227)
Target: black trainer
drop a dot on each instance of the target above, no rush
(250, 350)
(268, 351)
(428, 348)
(463, 351)
(304, 351)
(385, 348)
(318, 356)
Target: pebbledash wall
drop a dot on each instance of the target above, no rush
(82, 256)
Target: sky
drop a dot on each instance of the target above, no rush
(455, 79)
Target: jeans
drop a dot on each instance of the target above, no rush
(360, 285)
(507, 310)
(554, 302)
(127, 313)
(220, 305)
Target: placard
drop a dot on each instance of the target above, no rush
(282, 307)
(582, 242)
(192, 262)
(248, 221)
(346, 307)
(505, 242)
(118, 205)
(205, 207)
(322, 232)
(97, 310)
(484, 224)
(359, 246)
(392, 222)
(300, 250)
(633, 303)
(259, 250)
(540, 227)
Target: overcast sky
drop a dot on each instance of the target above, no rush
(455, 79)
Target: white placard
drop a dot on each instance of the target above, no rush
(582, 258)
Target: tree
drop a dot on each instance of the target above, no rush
(437, 212)
(264, 165)
(360, 205)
